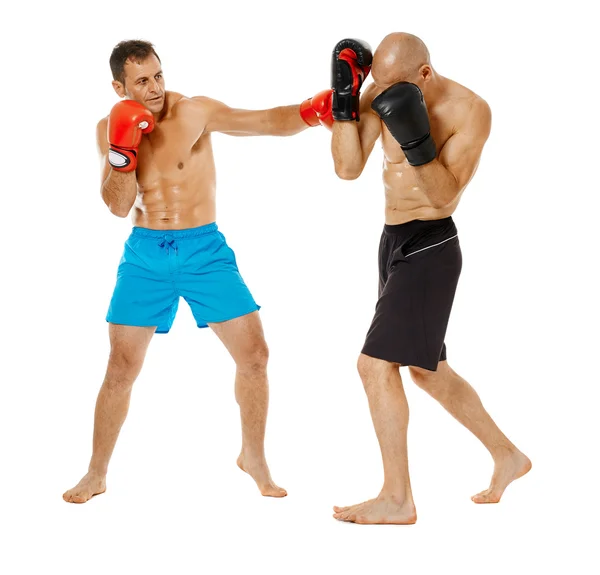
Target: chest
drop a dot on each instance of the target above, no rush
(171, 150)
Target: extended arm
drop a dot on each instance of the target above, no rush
(280, 121)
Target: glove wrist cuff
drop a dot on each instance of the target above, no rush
(121, 159)
(421, 151)
(345, 107)
(308, 114)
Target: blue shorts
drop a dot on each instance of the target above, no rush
(159, 266)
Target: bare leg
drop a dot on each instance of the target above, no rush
(128, 350)
(461, 401)
(244, 339)
(389, 411)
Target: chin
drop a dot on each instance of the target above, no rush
(156, 106)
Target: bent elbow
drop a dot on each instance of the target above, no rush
(438, 205)
(441, 202)
(118, 211)
(346, 172)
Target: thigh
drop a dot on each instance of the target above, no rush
(144, 295)
(412, 313)
(211, 283)
(242, 336)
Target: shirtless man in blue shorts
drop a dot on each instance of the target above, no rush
(157, 159)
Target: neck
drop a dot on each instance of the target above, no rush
(435, 89)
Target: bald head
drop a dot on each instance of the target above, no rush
(399, 57)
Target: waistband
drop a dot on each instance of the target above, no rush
(175, 234)
(414, 236)
(417, 226)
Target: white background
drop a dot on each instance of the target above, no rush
(524, 329)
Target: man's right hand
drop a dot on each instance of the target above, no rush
(317, 110)
(350, 66)
(127, 122)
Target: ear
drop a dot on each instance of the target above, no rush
(425, 72)
(119, 88)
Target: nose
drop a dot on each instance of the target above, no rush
(154, 87)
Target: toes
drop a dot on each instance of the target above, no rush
(341, 516)
(349, 514)
(487, 496)
(70, 496)
(272, 491)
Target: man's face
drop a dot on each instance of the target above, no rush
(144, 83)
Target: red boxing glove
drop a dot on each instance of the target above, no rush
(127, 122)
(317, 110)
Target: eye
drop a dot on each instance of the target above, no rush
(158, 75)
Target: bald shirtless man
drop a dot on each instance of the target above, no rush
(433, 131)
(157, 159)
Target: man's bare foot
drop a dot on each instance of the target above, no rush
(507, 468)
(385, 509)
(259, 471)
(92, 484)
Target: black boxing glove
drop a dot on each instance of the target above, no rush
(403, 110)
(350, 65)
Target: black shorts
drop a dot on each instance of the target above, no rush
(419, 267)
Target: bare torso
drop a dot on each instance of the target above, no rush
(176, 180)
(404, 200)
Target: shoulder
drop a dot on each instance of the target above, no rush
(471, 104)
(102, 129)
(176, 102)
(197, 103)
(200, 108)
(473, 114)
(479, 117)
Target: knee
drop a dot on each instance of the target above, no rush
(372, 369)
(365, 366)
(256, 358)
(123, 369)
(424, 378)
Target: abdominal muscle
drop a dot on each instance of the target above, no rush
(173, 208)
(171, 197)
(404, 199)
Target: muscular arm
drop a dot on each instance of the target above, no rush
(118, 189)
(447, 176)
(352, 142)
(280, 121)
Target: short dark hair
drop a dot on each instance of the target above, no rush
(136, 50)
